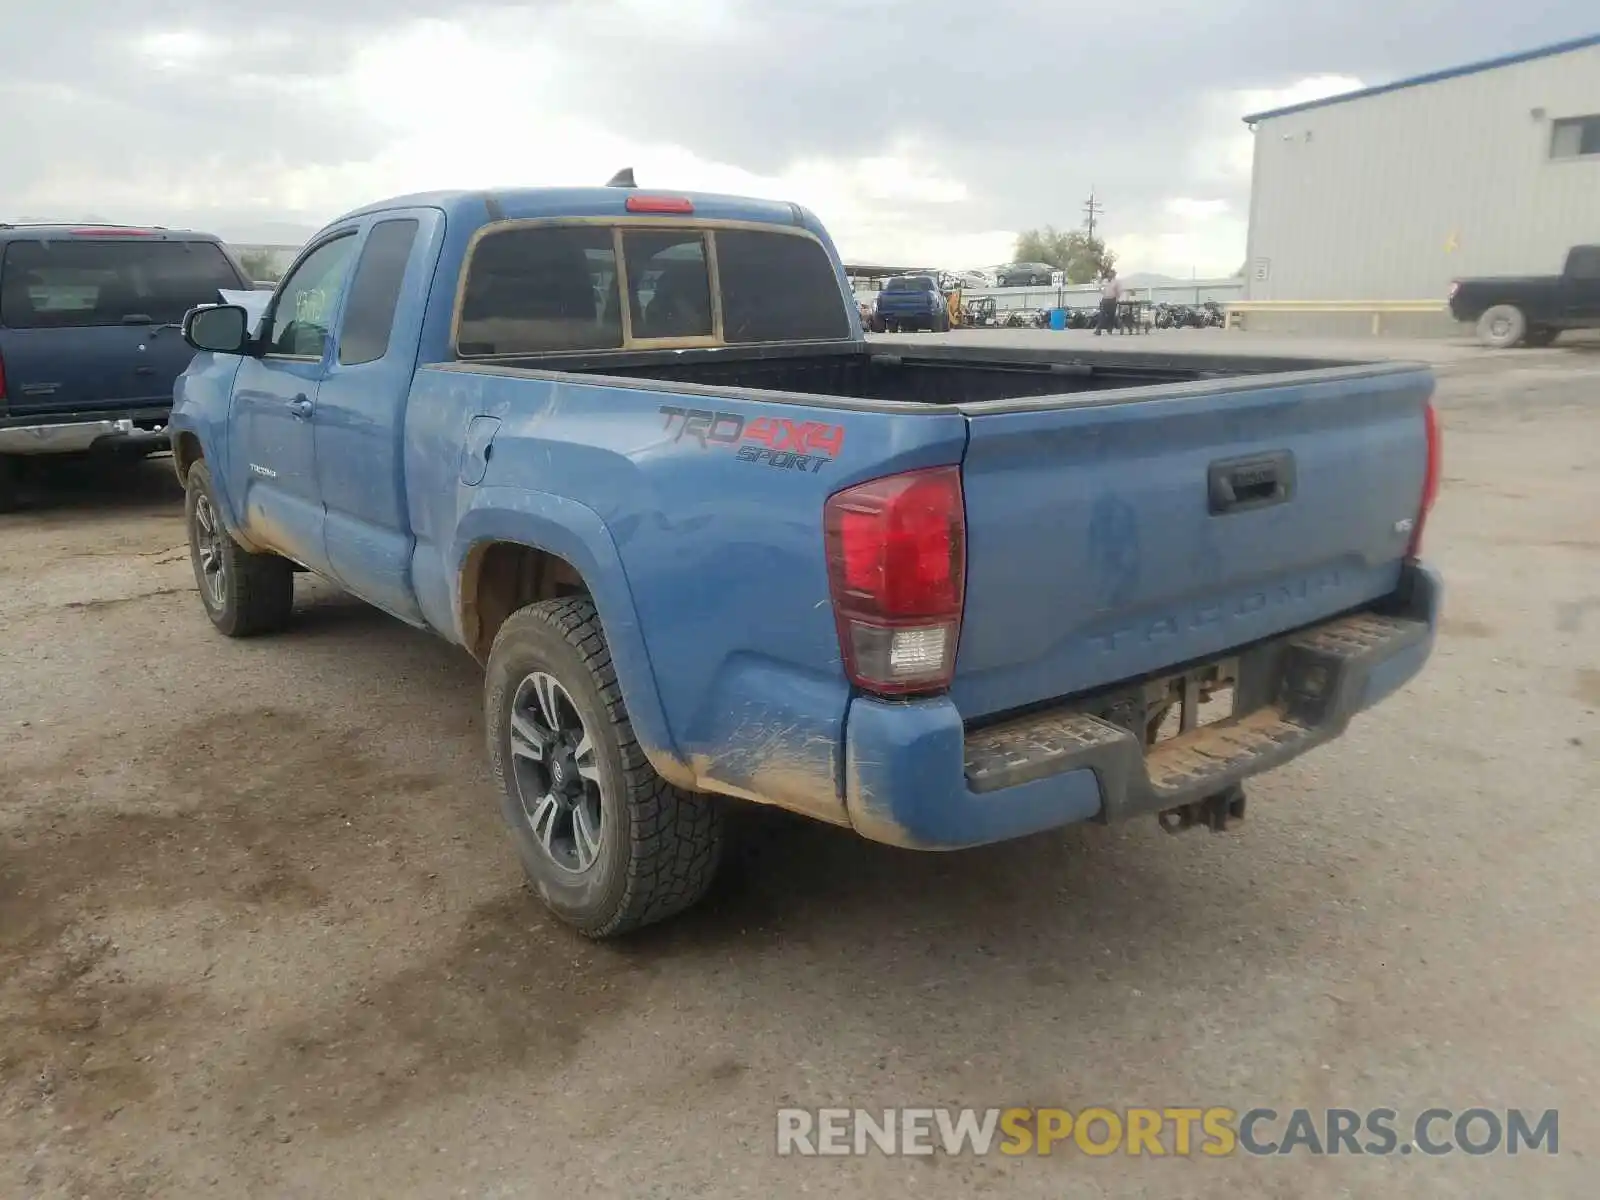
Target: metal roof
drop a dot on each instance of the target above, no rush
(1488, 64)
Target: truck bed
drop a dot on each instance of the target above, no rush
(1126, 511)
(905, 373)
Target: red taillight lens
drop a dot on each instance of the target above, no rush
(896, 551)
(1430, 480)
(660, 204)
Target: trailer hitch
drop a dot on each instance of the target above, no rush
(1214, 811)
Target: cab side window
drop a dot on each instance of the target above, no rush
(1584, 263)
(307, 300)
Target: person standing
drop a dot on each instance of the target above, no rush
(1110, 297)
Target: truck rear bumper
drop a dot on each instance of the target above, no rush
(915, 777)
(73, 437)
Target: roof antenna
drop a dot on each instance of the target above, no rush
(623, 178)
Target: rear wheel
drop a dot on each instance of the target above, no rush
(1502, 326)
(243, 593)
(9, 498)
(608, 844)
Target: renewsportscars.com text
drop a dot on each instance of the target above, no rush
(1213, 1132)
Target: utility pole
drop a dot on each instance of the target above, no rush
(1091, 211)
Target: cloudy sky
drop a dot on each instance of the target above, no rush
(925, 130)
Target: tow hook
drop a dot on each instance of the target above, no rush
(1214, 811)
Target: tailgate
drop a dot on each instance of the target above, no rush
(82, 370)
(1109, 540)
(907, 302)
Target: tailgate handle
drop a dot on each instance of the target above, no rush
(1241, 484)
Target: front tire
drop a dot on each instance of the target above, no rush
(1502, 326)
(244, 594)
(608, 844)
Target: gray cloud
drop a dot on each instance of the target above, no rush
(1028, 102)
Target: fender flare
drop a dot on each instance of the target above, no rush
(214, 458)
(575, 532)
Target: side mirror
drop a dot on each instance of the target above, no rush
(221, 328)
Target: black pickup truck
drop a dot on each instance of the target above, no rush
(1532, 310)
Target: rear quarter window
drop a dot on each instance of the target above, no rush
(67, 283)
(375, 292)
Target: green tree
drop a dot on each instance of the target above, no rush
(260, 265)
(1084, 258)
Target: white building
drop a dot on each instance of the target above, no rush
(1391, 192)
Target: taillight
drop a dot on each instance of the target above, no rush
(1430, 480)
(897, 566)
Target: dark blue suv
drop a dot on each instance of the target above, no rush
(89, 333)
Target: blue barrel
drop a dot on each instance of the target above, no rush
(1058, 318)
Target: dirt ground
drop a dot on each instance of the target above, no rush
(262, 935)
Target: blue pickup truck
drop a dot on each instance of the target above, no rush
(89, 341)
(708, 542)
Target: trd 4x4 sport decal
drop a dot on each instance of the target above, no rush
(772, 441)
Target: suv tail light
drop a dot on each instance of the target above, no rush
(1430, 480)
(897, 566)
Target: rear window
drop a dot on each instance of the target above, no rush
(69, 284)
(909, 283)
(552, 288)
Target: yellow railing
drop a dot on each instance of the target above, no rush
(1378, 308)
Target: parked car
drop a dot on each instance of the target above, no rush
(911, 302)
(89, 334)
(1532, 310)
(718, 546)
(971, 279)
(1024, 275)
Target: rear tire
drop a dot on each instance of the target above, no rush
(1502, 326)
(244, 594)
(606, 842)
(10, 499)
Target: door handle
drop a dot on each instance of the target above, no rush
(300, 406)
